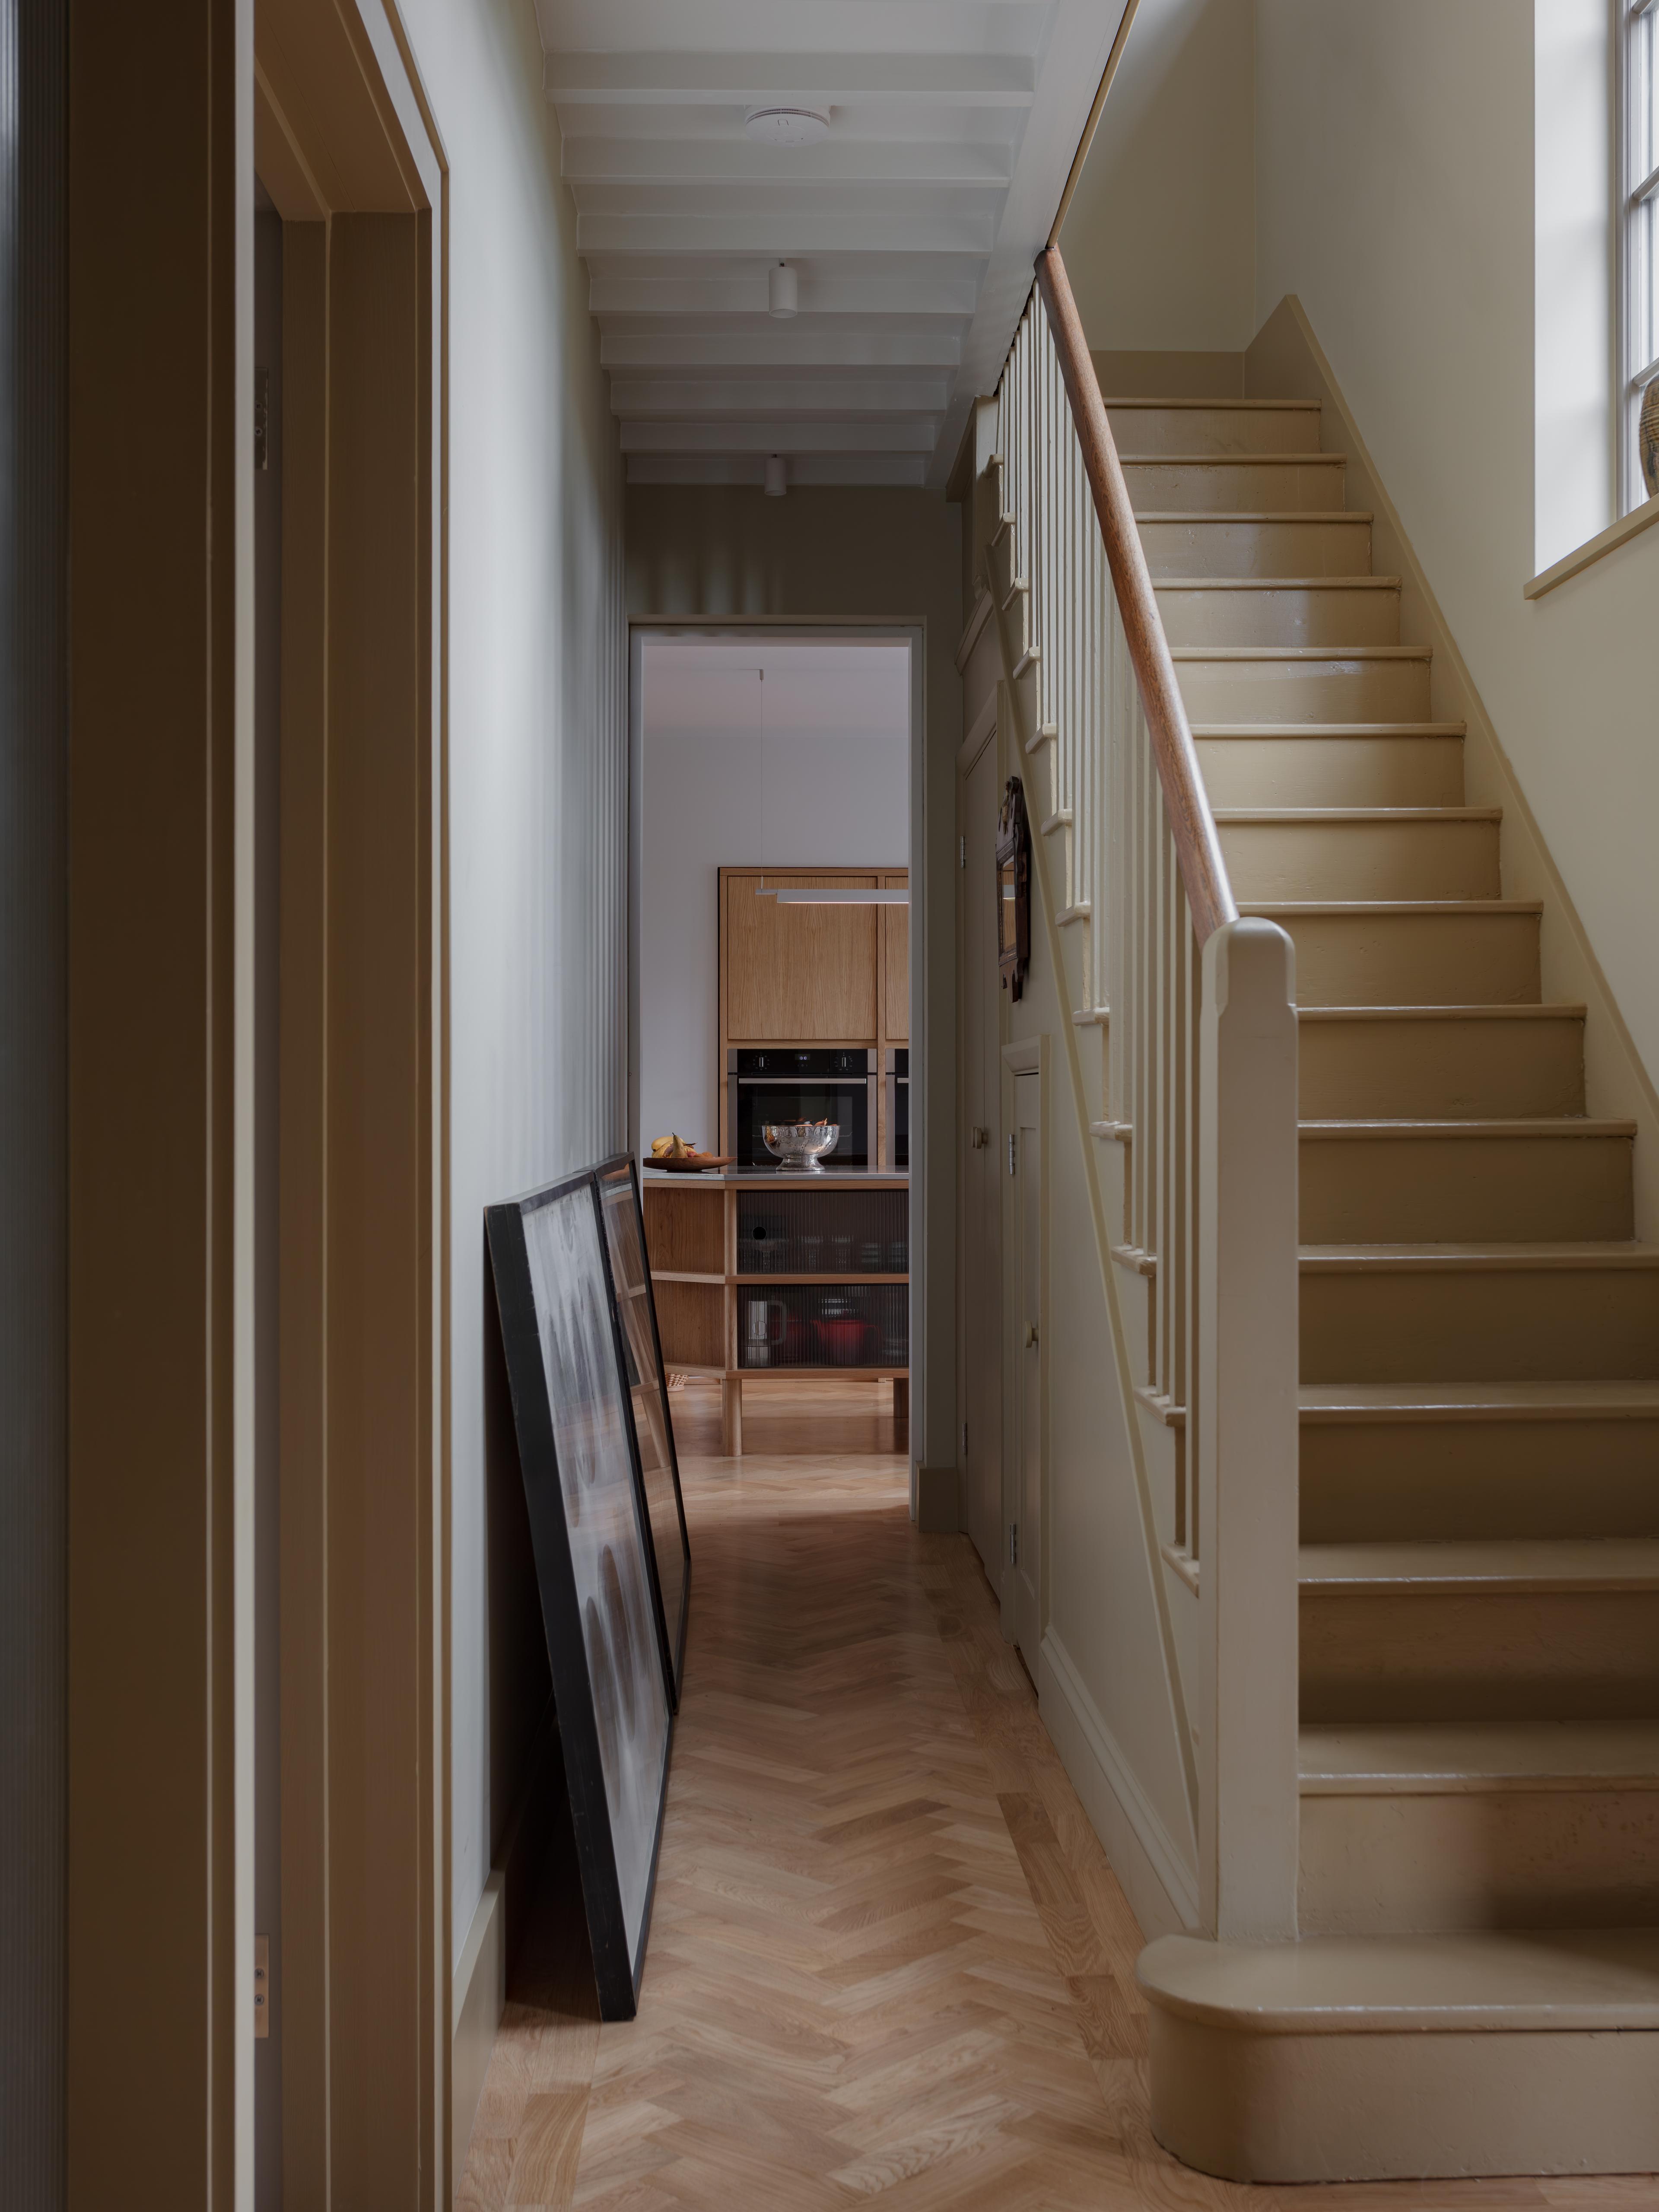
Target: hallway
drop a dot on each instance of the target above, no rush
(888, 1957)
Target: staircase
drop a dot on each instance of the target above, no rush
(1475, 1988)
(1479, 1400)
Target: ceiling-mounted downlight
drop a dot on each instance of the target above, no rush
(782, 291)
(786, 126)
(777, 476)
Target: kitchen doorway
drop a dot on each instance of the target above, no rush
(774, 974)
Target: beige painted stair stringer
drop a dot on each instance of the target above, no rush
(1033, 746)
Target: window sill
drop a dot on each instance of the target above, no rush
(1596, 549)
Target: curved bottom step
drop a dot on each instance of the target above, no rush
(1370, 2058)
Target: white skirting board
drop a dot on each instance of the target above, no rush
(1160, 1885)
(480, 1997)
(480, 1980)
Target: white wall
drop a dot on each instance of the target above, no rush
(755, 755)
(537, 781)
(1395, 197)
(1160, 242)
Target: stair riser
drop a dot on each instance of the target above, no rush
(1436, 1481)
(1588, 1325)
(1464, 1190)
(1412, 1863)
(1309, 2106)
(1282, 771)
(1334, 614)
(1241, 486)
(1533, 1656)
(1268, 861)
(1445, 1070)
(1199, 548)
(1218, 429)
(1321, 690)
(1415, 960)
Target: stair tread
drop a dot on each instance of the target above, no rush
(1496, 1563)
(1253, 514)
(1441, 1757)
(1272, 906)
(1335, 1402)
(1331, 814)
(1497, 1010)
(1541, 1256)
(1224, 406)
(1552, 1978)
(1281, 728)
(1302, 652)
(1366, 583)
(1271, 460)
(1520, 1125)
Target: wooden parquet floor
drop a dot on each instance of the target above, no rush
(889, 1965)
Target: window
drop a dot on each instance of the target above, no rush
(1638, 273)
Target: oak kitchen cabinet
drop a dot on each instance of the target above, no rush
(797, 975)
(812, 975)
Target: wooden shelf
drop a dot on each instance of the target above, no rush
(782, 1373)
(831, 1280)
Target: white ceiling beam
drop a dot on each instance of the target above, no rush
(784, 348)
(740, 291)
(740, 79)
(738, 160)
(670, 396)
(763, 232)
(914, 435)
(804, 469)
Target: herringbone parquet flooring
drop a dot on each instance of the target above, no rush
(889, 1963)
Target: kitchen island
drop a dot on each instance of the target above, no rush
(765, 1272)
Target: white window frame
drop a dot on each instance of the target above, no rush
(1636, 201)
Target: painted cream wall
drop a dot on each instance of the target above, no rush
(538, 802)
(726, 551)
(1160, 241)
(1395, 196)
(782, 756)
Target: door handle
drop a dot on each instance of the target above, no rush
(978, 1137)
(1030, 1335)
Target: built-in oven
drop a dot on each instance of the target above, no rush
(790, 1083)
(899, 1106)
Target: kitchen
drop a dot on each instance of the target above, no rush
(775, 989)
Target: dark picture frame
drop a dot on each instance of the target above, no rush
(1013, 888)
(623, 1213)
(591, 1539)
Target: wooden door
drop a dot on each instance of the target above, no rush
(799, 975)
(978, 1150)
(895, 963)
(1025, 1487)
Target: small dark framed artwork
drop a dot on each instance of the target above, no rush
(1013, 857)
(653, 1429)
(591, 1542)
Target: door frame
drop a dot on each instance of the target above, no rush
(984, 731)
(807, 629)
(1027, 1055)
(324, 97)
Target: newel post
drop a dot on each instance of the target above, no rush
(1248, 1433)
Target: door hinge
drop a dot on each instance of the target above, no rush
(1013, 1155)
(961, 852)
(1013, 1543)
(965, 1440)
(261, 1988)
(262, 418)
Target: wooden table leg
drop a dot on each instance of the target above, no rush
(731, 1416)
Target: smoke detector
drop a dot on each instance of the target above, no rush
(785, 127)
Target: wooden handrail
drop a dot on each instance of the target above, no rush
(1198, 849)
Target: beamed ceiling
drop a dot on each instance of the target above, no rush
(912, 224)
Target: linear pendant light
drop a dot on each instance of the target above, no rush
(828, 895)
